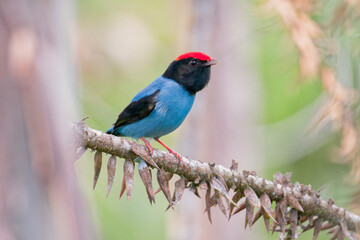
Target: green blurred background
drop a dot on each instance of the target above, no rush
(124, 45)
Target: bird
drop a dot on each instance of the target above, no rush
(163, 105)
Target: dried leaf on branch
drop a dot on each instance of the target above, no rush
(295, 203)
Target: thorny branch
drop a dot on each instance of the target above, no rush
(298, 207)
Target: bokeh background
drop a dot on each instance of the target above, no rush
(283, 98)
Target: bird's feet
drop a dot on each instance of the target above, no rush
(178, 156)
(148, 145)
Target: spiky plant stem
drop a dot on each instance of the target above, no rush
(302, 198)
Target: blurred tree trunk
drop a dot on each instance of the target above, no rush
(224, 113)
(39, 198)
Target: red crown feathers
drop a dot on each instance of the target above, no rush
(198, 55)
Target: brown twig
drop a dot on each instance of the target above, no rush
(302, 198)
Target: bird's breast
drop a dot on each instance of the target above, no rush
(173, 103)
(171, 109)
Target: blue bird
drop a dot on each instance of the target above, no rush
(162, 106)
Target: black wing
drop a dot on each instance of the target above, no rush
(137, 110)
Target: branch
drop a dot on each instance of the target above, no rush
(297, 206)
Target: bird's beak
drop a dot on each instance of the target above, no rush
(211, 62)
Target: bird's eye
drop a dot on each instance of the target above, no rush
(193, 63)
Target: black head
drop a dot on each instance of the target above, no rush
(191, 70)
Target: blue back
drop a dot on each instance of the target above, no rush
(173, 105)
